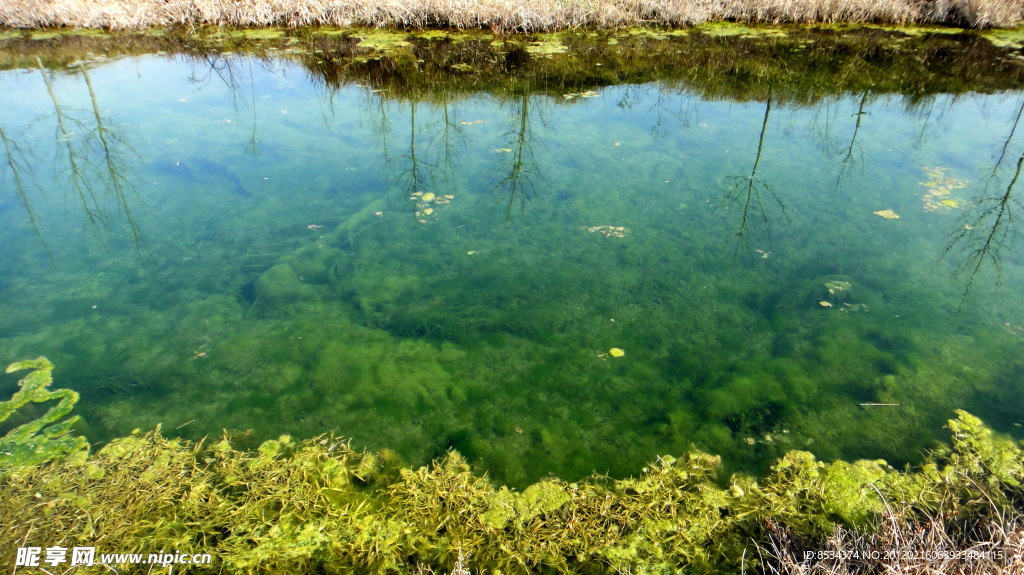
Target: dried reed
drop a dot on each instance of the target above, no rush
(946, 541)
(499, 15)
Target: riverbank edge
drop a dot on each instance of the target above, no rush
(1006, 37)
(317, 505)
(791, 62)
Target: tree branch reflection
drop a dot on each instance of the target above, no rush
(990, 225)
(89, 179)
(223, 68)
(427, 164)
(984, 230)
(751, 194)
(21, 167)
(848, 161)
(517, 186)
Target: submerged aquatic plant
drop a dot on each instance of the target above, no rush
(49, 436)
(317, 506)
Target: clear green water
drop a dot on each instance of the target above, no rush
(240, 247)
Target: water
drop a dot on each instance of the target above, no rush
(230, 243)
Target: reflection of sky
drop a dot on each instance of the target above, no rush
(264, 124)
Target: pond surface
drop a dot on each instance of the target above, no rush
(549, 281)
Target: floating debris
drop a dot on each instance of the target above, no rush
(836, 292)
(940, 187)
(501, 150)
(887, 214)
(425, 202)
(473, 122)
(609, 231)
(587, 94)
(613, 352)
(764, 254)
(313, 227)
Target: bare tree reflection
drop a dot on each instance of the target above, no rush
(417, 175)
(428, 165)
(225, 70)
(848, 160)
(114, 167)
(990, 225)
(20, 168)
(518, 186)
(90, 179)
(985, 229)
(751, 195)
(427, 162)
(1006, 144)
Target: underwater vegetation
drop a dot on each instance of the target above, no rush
(47, 437)
(501, 247)
(317, 505)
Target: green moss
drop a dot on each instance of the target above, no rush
(382, 40)
(68, 33)
(1005, 38)
(721, 29)
(546, 47)
(11, 34)
(256, 33)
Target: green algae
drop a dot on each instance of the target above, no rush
(317, 505)
(47, 437)
(546, 47)
(726, 29)
(12, 34)
(67, 33)
(382, 40)
(252, 33)
(1005, 38)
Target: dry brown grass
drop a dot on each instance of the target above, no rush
(940, 543)
(499, 15)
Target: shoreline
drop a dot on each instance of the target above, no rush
(500, 16)
(791, 63)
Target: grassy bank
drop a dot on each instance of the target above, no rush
(499, 15)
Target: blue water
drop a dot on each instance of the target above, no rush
(237, 245)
